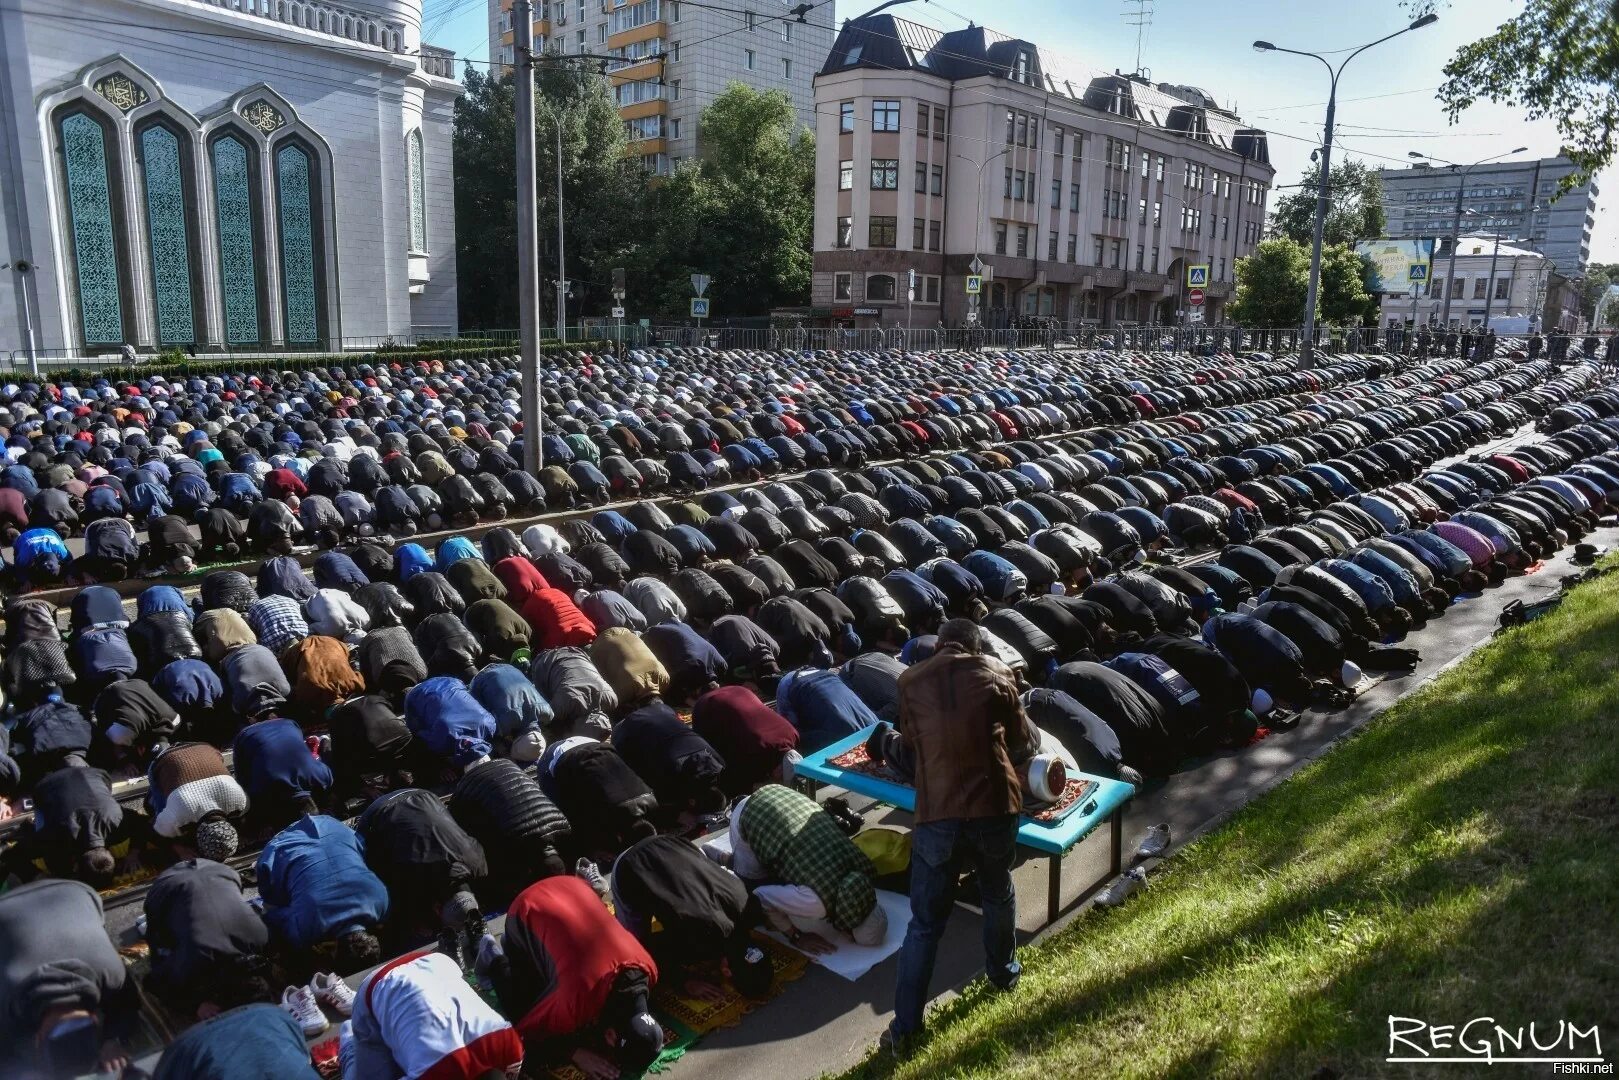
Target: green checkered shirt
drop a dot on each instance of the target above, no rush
(802, 844)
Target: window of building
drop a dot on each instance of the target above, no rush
(934, 230)
(418, 197)
(1157, 214)
(879, 286)
(786, 30)
(1146, 165)
(1225, 227)
(1023, 241)
(1158, 169)
(930, 289)
(786, 68)
(1006, 184)
(1051, 246)
(1021, 68)
(921, 178)
(940, 122)
(885, 174)
(1141, 256)
(674, 128)
(1098, 259)
(163, 155)
(846, 116)
(1017, 185)
(1011, 125)
(1056, 194)
(298, 219)
(1073, 197)
(1000, 238)
(885, 115)
(1222, 269)
(1478, 288)
(842, 286)
(1078, 144)
(1502, 286)
(747, 59)
(1141, 218)
(601, 33)
(1057, 135)
(674, 90)
(922, 113)
(1022, 129)
(1115, 251)
(845, 175)
(884, 232)
(918, 233)
(674, 10)
(581, 7)
(236, 216)
(845, 231)
(1034, 132)
(938, 179)
(579, 41)
(1155, 260)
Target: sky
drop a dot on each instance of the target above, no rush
(1386, 101)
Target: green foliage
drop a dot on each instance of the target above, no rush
(1556, 60)
(1598, 276)
(742, 214)
(1354, 210)
(1271, 284)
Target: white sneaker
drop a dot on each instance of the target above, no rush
(587, 870)
(300, 1003)
(1122, 889)
(1155, 843)
(333, 992)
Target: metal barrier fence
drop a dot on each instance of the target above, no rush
(1211, 339)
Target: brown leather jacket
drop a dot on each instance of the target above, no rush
(963, 720)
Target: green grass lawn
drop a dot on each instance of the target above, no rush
(1458, 858)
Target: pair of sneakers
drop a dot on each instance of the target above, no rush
(303, 1003)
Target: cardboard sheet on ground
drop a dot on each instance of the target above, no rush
(852, 961)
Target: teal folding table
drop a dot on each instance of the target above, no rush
(1104, 803)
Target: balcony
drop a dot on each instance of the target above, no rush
(321, 18)
(655, 29)
(438, 62)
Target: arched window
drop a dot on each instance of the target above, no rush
(298, 207)
(880, 287)
(170, 232)
(235, 212)
(418, 199)
(89, 170)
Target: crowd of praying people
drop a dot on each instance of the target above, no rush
(1164, 556)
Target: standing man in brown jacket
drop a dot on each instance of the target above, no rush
(961, 719)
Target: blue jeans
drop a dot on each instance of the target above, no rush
(936, 850)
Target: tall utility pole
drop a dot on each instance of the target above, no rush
(1456, 224)
(528, 233)
(1325, 175)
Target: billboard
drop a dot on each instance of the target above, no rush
(1402, 265)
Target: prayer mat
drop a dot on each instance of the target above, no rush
(858, 760)
(1074, 793)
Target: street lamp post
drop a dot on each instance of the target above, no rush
(978, 223)
(1323, 179)
(1456, 225)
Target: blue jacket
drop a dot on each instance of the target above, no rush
(410, 560)
(450, 722)
(254, 1042)
(822, 707)
(315, 883)
(514, 701)
(274, 762)
(453, 550)
(1373, 591)
(41, 549)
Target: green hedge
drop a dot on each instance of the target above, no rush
(293, 362)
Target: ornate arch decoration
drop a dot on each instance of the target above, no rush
(170, 181)
(294, 216)
(92, 200)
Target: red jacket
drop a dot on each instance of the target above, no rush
(575, 947)
(521, 578)
(556, 621)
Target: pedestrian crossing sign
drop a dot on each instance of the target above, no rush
(1417, 272)
(975, 284)
(1197, 275)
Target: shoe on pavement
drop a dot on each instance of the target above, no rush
(898, 1047)
(1155, 843)
(300, 1004)
(333, 992)
(1122, 888)
(587, 870)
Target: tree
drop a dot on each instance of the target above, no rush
(603, 192)
(1598, 276)
(1354, 209)
(1343, 298)
(1557, 60)
(1271, 284)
